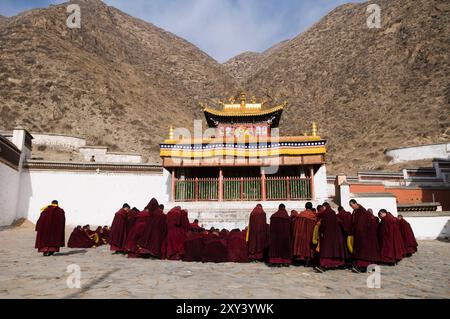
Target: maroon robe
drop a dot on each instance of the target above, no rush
(50, 229)
(79, 239)
(215, 249)
(133, 237)
(193, 247)
(409, 240)
(332, 252)
(185, 224)
(195, 226)
(303, 228)
(365, 237)
(176, 233)
(390, 240)
(105, 235)
(152, 241)
(345, 219)
(237, 247)
(118, 232)
(280, 251)
(258, 234)
(141, 221)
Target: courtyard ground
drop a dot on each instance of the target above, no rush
(26, 274)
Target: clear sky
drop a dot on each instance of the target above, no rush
(221, 28)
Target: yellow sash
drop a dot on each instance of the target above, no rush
(350, 244)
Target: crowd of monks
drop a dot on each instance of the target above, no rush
(84, 237)
(316, 237)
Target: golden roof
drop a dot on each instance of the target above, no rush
(243, 108)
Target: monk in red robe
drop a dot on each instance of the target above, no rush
(118, 232)
(152, 242)
(303, 228)
(195, 225)
(215, 248)
(331, 250)
(389, 239)
(193, 246)
(80, 239)
(345, 221)
(50, 229)
(409, 240)
(257, 237)
(224, 233)
(176, 233)
(137, 230)
(105, 235)
(365, 234)
(280, 249)
(237, 247)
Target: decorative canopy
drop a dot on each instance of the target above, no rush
(243, 112)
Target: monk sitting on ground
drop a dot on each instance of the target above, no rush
(237, 247)
(215, 249)
(80, 239)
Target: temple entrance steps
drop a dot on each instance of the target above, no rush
(231, 215)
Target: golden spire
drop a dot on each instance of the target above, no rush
(314, 129)
(243, 99)
(171, 133)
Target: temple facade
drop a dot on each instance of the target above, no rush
(244, 158)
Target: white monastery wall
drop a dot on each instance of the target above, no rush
(320, 184)
(9, 193)
(419, 152)
(101, 154)
(430, 227)
(88, 197)
(66, 141)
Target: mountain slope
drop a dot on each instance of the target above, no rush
(117, 80)
(122, 82)
(368, 89)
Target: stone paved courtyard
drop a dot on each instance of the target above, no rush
(26, 274)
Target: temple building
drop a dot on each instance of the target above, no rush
(244, 158)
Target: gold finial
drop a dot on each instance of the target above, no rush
(253, 99)
(243, 99)
(314, 128)
(232, 100)
(171, 133)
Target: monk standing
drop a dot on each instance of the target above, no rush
(409, 239)
(176, 233)
(303, 227)
(118, 232)
(280, 250)
(142, 219)
(331, 242)
(365, 233)
(257, 231)
(345, 221)
(389, 239)
(153, 238)
(50, 229)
